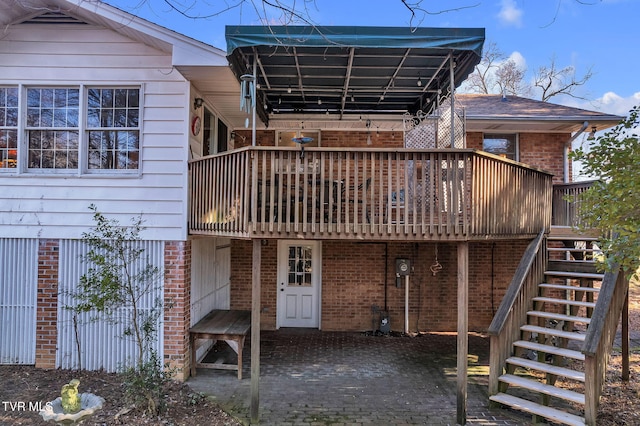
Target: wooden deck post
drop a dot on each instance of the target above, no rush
(463, 328)
(255, 330)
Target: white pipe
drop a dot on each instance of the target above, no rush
(567, 148)
(406, 304)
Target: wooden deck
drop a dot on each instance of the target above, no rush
(367, 194)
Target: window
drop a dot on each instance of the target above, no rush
(112, 129)
(215, 138)
(504, 145)
(8, 127)
(52, 128)
(70, 129)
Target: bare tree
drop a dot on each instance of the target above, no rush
(497, 74)
(510, 79)
(554, 81)
(292, 11)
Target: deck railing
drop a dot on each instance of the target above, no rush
(599, 338)
(512, 313)
(268, 192)
(566, 203)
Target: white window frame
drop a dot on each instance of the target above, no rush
(83, 134)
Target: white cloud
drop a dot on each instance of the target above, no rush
(616, 104)
(518, 59)
(609, 103)
(510, 14)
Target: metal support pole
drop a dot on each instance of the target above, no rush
(452, 88)
(255, 101)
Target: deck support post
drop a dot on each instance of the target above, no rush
(255, 330)
(463, 328)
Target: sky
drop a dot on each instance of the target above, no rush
(601, 35)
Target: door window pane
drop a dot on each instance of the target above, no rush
(300, 267)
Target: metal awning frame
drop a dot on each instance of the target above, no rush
(300, 76)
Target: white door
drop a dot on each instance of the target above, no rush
(298, 302)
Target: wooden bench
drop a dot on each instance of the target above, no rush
(230, 326)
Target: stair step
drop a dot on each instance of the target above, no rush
(570, 302)
(565, 301)
(536, 386)
(559, 317)
(553, 332)
(546, 368)
(567, 233)
(568, 353)
(550, 413)
(573, 249)
(575, 275)
(569, 287)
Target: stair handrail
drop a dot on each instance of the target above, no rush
(512, 312)
(600, 336)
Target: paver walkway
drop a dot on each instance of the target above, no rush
(309, 377)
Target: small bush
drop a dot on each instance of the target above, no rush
(145, 385)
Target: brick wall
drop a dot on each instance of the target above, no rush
(541, 150)
(330, 138)
(177, 301)
(355, 275)
(47, 303)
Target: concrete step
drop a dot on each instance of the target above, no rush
(550, 413)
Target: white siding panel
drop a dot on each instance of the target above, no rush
(102, 345)
(55, 206)
(18, 298)
(210, 280)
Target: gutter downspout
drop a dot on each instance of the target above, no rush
(567, 147)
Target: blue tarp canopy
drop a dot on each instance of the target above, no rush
(343, 70)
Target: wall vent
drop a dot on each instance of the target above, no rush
(53, 18)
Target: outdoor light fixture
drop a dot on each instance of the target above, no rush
(197, 103)
(419, 81)
(592, 134)
(289, 89)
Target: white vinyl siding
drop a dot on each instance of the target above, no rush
(56, 206)
(210, 280)
(18, 295)
(102, 345)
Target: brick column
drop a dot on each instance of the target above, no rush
(177, 306)
(47, 303)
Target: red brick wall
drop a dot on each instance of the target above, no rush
(177, 304)
(353, 280)
(541, 150)
(47, 303)
(330, 138)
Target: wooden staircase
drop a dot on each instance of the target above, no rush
(547, 357)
